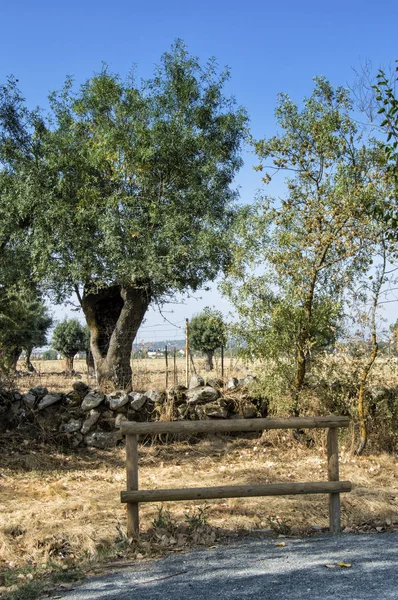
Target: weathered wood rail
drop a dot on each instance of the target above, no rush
(334, 487)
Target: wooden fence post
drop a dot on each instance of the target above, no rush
(222, 363)
(175, 366)
(333, 475)
(167, 366)
(186, 352)
(133, 523)
(192, 362)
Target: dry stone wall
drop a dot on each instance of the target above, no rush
(88, 417)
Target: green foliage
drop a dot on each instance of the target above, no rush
(24, 322)
(69, 337)
(388, 111)
(388, 102)
(198, 517)
(50, 354)
(207, 331)
(132, 183)
(294, 259)
(163, 520)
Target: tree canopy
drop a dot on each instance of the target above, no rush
(69, 338)
(24, 323)
(207, 332)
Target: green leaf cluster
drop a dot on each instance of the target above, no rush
(69, 337)
(126, 183)
(24, 322)
(207, 331)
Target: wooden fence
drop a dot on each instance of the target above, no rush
(133, 496)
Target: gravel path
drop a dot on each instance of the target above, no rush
(257, 568)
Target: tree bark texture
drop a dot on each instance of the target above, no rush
(90, 363)
(69, 365)
(28, 362)
(114, 315)
(12, 357)
(209, 366)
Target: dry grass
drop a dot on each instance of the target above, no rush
(147, 373)
(61, 511)
(151, 372)
(66, 508)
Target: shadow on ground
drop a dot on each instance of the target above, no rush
(259, 569)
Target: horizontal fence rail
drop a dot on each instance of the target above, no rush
(227, 425)
(236, 491)
(132, 496)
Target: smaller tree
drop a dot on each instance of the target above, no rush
(69, 337)
(207, 332)
(40, 323)
(24, 322)
(49, 354)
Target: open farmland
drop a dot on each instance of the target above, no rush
(147, 373)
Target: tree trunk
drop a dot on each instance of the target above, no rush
(28, 362)
(11, 358)
(114, 315)
(375, 348)
(90, 363)
(302, 348)
(209, 366)
(69, 365)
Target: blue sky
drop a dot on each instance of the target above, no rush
(269, 47)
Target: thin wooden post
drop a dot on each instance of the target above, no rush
(186, 352)
(222, 363)
(175, 366)
(133, 522)
(167, 366)
(333, 475)
(192, 362)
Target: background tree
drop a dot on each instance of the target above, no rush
(69, 338)
(24, 323)
(207, 332)
(18, 175)
(50, 354)
(311, 244)
(394, 336)
(38, 326)
(131, 195)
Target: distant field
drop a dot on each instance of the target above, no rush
(151, 372)
(147, 373)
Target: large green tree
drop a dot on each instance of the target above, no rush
(130, 195)
(295, 257)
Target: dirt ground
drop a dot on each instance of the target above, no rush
(61, 516)
(66, 508)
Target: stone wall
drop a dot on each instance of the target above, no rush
(88, 417)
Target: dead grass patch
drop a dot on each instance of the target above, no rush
(148, 373)
(65, 509)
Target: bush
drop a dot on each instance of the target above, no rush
(332, 388)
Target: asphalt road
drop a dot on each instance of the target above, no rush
(257, 568)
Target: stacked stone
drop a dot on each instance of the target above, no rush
(87, 417)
